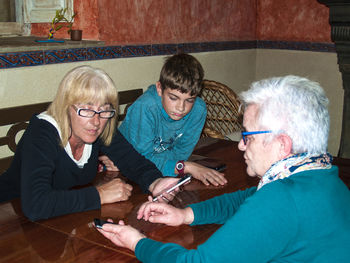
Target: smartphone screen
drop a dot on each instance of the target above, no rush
(182, 181)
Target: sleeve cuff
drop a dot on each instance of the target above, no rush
(169, 168)
(143, 248)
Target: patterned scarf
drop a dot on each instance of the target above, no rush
(295, 164)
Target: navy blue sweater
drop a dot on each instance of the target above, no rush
(43, 174)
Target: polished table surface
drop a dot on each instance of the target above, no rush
(73, 238)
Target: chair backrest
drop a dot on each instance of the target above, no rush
(344, 169)
(16, 118)
(126, 98)
(224, 115)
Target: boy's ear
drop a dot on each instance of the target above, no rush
(159, 88)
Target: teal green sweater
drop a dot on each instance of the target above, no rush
(302, 218)
(159, 138)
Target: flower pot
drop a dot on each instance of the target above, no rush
(76, 34)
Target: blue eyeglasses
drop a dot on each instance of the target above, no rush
(245, 134)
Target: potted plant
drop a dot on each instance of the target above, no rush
(60, 20)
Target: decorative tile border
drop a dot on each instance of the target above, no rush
(96, 53)
(34, 58)
(137, 51)
(21, 59)
(164, 49)
(64, 55)
(303, 46)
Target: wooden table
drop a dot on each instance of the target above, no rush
(73, 238)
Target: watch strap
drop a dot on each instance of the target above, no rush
(180, 168)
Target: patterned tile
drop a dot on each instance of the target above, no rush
(95, 53)
(21, 59)
(65, 55)
(137, 51)
(304, 46)
(247, 44)
(190, 47)
(227, 45)
(33, 58)
(164, 49)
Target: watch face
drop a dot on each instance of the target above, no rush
(179, 166)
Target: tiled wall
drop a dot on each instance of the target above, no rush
(46, 57)
(237, 64)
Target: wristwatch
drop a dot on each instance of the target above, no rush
(180, 168)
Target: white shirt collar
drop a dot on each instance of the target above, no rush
(87, 148)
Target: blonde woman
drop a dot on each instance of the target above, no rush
(60, 149)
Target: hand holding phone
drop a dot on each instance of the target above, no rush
(100, 222)
(170, 189)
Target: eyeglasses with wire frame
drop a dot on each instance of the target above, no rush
(245, 134)
(87, 113)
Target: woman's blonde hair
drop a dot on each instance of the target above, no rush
(83, 85)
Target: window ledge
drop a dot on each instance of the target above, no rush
(24, 43)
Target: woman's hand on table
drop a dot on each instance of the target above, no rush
(108, 164)
(159, 212)
(206, 175)
(122, 235)
(114, 191)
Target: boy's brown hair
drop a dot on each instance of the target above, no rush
(182, 72)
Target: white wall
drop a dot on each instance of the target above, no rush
(237, 69)
(28, 85)
(317, 66)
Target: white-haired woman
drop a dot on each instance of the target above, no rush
(298, 213)
(60, 149)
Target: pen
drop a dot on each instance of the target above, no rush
(182, 181)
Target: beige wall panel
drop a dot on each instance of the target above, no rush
(237, 69)
(27, 85)
(318, 66)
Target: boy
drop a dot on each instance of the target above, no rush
(165, 123)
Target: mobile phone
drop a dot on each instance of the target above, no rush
(100, 222)
(220, 167)
(212, 164)
(182, 181)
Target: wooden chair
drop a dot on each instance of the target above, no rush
(344, 169)
(17, 119)
(126, 98)
(224, 115)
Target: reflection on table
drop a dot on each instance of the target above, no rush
(73, 237)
